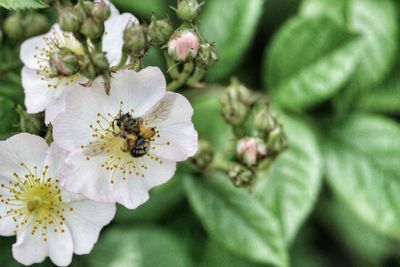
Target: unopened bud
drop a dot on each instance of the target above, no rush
(87, 69)
(277, 141)
(135, 40)
(204, 155)
(35, 24)
(70, 19)
(100, 60)
(250, 150)
(160, 31)
(236, 103)
(64, 62)
(88, 7)
(183, 45)
(188, 10)
(207, 55)
(92, 28)
(13, 27)
(264, 121)
(101, 11)
(241, 176)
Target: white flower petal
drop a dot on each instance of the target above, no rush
(21, 148)
(38, 94)
(60, 247)
(30, 50)
(133, 191)
(172, 117)
(29, 249)
(7, 224)
(113, 38)
(139, 91)
(86, 222)
(86, 177)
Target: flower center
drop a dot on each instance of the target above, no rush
(34, 197)
(125, 142)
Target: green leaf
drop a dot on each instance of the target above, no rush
(162, 200)
(367, 246)
(362, 165)
(145, 8)
(207, 117)
(385, 98)
(139, 247)
(237, 220)
(218, 256)
(275, 209)
(291, 187)
(231, 24)
(302, 68)
(22, 4)
(376, 22)
(8, 118)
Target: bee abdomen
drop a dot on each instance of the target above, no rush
(141, 147)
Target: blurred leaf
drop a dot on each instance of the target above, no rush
(22, 4)
(6, 258)
(162, 200)
(362, 164)
(376, 21)
(139, 247)
(145, 8)
(231, 24)
(237, 220)
(367, 247)
(303, 69)
(8, 118)
(291, 187)
(217, 256)
(207, 117)
(385, 98)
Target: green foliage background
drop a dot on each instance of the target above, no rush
(331, 68)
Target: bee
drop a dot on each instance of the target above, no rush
(136, 134)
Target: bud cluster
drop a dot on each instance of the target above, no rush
(18, 27)
(260, 137)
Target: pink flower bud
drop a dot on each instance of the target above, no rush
(184, 45)
(250, 150)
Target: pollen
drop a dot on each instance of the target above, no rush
(34, 197)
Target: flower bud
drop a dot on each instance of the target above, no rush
(87, 69)
(204, 155)
(35, 24)
(160, 31)
(135, 40)
(100, 60)
(277, 141)
(64, 62)
(13, 27)
(207, 55)
(88, 7)
(70, 19)
(183, 45)
(250, 150)
(236, 102)
(101, 11)
(241, 176)
(264, 121)
(188, 10)
(92, 28)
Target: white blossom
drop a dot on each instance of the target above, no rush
(124, 144)
(47, 220)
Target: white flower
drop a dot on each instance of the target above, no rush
(47, 220)
(126, 143)
(45, 89)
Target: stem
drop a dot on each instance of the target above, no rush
(196, 77)
(171, 64)
(221, 165)
(183, 76)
